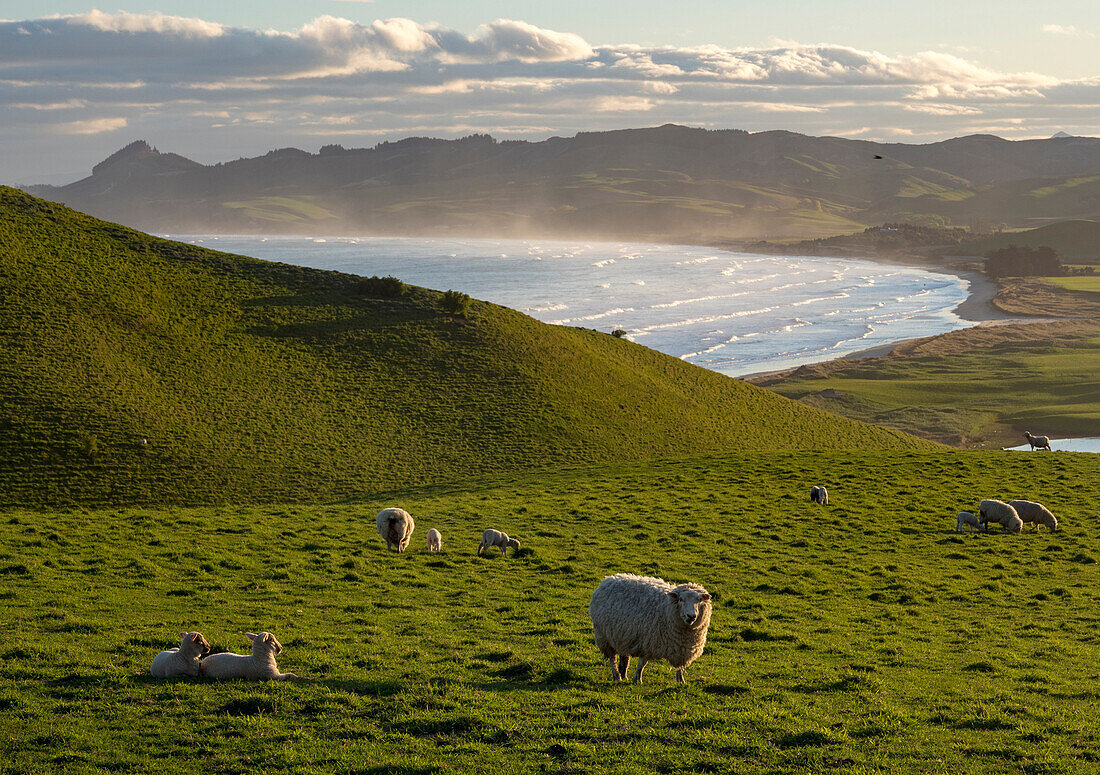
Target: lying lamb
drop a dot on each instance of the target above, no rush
(492, 537)
(1037, 442)
(819, 495)
(966, 518)
(1001, 513)
(257, 666)
(435, 541)
(396, 528)
(648, 618)
(183, 660)
(1035, 514)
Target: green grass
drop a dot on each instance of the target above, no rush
(255, 381)
(282, 209)
(861, 637)
(988, 396)
(1083, 283)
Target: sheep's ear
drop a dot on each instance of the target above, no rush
(251, 635)
(705, 597)
(184, 634)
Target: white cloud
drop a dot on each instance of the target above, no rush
(154, 73)
(93, 126)
(1070, 30)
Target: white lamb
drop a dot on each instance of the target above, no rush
(819, 495)
(183, 660)
(257, 666)
(435, 541)
(1035, 513)
(966, 518)
(492, 537)
(1037, 442)
(648, 618)
(396, 528)
(1001, 513)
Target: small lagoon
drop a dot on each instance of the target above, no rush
(1066, 445)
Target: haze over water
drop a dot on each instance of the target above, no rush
(730, 312)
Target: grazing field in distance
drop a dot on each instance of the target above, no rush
(860, 637)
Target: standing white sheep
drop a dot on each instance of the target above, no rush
(819, 495)
(1035, 513)
(1040, 442)
(492, 537)
(396, 528)
(435, 541)
(1001, 513)
(257, 666)
(648, 618)
(183, 660)
(968, 519)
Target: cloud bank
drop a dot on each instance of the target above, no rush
(99, 79)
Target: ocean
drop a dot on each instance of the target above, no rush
(736, 313)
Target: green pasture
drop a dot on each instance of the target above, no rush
(861, 637)
(1089, 283)
(991, 395)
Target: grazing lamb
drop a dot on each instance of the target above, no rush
(1035, 513)
(819, 495)
(183, 660)
(492, 537)
(257, 666)
(396, 528)
(648, 618)
(1037, 442)
(966, 518)
(435, 541)
(1000, 513)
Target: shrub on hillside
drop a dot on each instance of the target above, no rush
(619, 333)
(1023, 261)
(381, 287)
(456, 303)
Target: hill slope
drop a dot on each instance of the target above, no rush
(1075, 241)
(261, 381)
(668, 181)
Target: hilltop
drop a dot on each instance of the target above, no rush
(667, 182)
(255, 381)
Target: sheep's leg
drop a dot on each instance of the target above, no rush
(637, 678)
(680, 676)
(480, 549)
(615, 676)
(624, 664)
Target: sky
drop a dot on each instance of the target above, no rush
(215, 81)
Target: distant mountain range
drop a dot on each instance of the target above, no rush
(667, 182)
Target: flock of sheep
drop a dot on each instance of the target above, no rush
(632, 616)
(1011, 516)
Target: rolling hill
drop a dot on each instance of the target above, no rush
(254, 381)
(667, 182)
(1075, 241)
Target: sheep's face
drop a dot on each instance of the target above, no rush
(264, 643)
(513, 543)
(689, 602)
(200, 643)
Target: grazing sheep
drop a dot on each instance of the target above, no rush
(492, 537)
(1035, 513)
(1040, 442)
(648, 618)
(396, 528)
(1000, 513)
(435, 541)
(819, 495)
(966, 518)
(183, 660)
(257, 666)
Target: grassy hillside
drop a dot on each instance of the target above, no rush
(862, 637)
(1075, 241)
(262, 382)
(979, 386)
